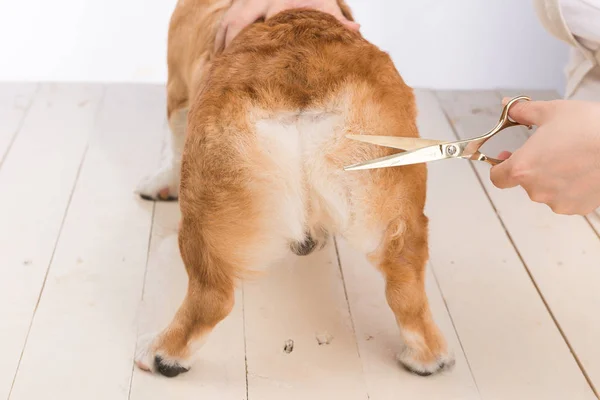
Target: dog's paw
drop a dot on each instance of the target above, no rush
(164, 185)
(424, 364)
(148, 358)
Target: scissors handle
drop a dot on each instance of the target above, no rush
(503, 123)
(489, 160)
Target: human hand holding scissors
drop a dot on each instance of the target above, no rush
(558, 166)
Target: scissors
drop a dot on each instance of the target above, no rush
(417, 150)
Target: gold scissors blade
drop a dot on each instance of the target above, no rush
(396, 142)
(426, 150)
(422, 155)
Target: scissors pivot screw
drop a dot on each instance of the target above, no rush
(451, 150)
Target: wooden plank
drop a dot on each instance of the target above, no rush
(83, 336)
(15, 100)
(379, 340)
(514, 348)
(37, 179)
(299, 299)
(220, 370)
(561, 252)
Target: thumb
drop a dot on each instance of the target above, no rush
(353, 26)
(529, 112)
(505, 155)
(502, 175)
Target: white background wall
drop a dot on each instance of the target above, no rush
(448, 44)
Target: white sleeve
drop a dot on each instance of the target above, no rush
(583, 19)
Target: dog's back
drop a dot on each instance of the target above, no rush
(262, 166)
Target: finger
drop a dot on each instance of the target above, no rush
(562, 209)
(232, 32)
(337, 13)
(241, 21)
(353, 26)
(276, 8)
(220, 38)
(529, 112)
(502, 175)
(240, 15)
(505, 155)
(224, 25)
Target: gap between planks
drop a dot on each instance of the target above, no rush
(345, 287)
(594, 221)
(150, 233)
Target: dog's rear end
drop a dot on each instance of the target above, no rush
(262, 168)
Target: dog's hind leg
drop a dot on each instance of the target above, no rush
(384, 216)
(241, 207)
(403, 261)
(397, 245)
(209, 299)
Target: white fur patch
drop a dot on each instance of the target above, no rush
(166, 178)
(280, 143)
(146, 353)
(414, 345)
(309, 193)
(297, 145)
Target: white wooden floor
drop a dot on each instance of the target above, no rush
(85, 265)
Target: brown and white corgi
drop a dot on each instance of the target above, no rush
(258, 150)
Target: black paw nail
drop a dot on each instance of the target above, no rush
(170, 371)
(420, 373)
(304, 248)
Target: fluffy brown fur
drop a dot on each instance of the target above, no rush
(262, 167)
